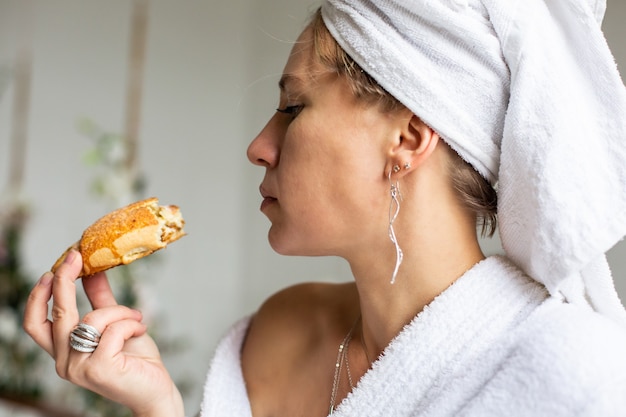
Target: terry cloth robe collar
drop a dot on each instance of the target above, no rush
(445, 341)
(481, 307)
(493, 344)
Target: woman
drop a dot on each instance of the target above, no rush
(380, 108)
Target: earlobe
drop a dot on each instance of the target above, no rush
(396, 167)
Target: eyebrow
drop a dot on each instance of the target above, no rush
(287, 79)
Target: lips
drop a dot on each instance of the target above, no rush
(265, 193)
(268, 198)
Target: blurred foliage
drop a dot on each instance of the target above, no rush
(20, 358)
(115, 181)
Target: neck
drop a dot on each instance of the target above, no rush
(437, 251)
(386, 308)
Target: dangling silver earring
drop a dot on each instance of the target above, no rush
(394, 209)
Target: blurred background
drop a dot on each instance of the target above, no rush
(105, 102)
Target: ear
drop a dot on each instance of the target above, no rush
(415, 145)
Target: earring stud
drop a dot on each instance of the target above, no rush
(407, 165)
(396, 168)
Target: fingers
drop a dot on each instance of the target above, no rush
(117, 324)
(107, 363)
(64, 309)
(115, 336)
(36, 322)
(99, 291)
(104, 317)
(103, 320)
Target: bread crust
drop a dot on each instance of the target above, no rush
(127, 234)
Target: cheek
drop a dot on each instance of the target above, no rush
(334, 202)
(334, 172)
(311, 205)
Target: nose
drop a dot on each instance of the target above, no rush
(264, 150)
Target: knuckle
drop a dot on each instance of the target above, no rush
(33, 298)
(58, 313)
(89, 319)
(71, 374)
(29, 327)
(113, 330)
(61, 370)
(92, 319)
(75, 373)
(94, 375)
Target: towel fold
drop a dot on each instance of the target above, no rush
(564, 146)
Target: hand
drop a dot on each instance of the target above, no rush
(125, 367)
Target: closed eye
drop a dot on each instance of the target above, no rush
(292, 111)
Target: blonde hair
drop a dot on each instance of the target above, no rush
(474, 192)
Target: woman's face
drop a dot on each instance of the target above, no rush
(325, 188)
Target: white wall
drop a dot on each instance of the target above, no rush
(212, 69)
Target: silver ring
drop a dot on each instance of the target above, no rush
(84, 338)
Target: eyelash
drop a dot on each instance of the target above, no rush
(291, 110)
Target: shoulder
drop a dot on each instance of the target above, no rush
(304, 296)
(312, 303)
(298, 318)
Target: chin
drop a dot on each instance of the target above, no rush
(285, 246)
(290, 250)
(292, 244)
(282, 249)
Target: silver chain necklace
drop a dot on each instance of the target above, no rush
(367, 357)
(341, 358)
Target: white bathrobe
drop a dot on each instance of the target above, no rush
(493, 344)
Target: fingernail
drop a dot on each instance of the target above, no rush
(46, 279)
(71, 255)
